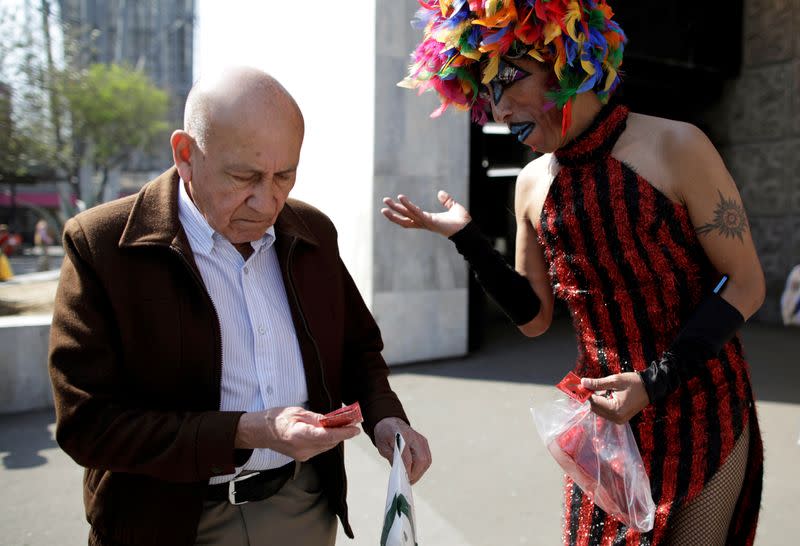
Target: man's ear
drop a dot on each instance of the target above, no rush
(182, 145)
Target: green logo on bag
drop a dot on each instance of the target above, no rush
(400, 505)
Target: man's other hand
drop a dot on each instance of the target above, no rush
(416, 455)
(292, 431)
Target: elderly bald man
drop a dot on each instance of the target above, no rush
(200, 330)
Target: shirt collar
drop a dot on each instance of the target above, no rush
(201, 235)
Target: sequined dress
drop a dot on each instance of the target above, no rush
(629, 265)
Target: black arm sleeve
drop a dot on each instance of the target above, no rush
(512, 291)
(711, 326)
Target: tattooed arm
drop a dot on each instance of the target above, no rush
(694, 173)
(706, 187)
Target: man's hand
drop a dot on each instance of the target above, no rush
(416, 455)
(628, 397)
(292, 431)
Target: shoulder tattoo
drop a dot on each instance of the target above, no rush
(730, 219)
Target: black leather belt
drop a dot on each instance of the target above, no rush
(251, 487)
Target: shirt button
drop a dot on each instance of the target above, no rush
(261, 330)
(269, 389)
(246, 270)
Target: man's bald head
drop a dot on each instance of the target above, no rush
(233, 97)
(239, 151)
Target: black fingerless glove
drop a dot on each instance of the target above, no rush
(711, 326)
(512, 291)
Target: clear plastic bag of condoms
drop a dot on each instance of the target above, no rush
(601, 457)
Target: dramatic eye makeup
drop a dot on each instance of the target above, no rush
(507, 74)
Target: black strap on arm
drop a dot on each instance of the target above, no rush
(511, 290)
(711, 326)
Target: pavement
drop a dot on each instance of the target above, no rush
(492, 482)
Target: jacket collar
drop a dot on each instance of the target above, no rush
(154, 218)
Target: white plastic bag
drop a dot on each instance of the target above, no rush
(399, 524)
(790, 299)
(601, 457)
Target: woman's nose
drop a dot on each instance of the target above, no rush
(500, 111)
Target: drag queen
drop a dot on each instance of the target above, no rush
(633, 221)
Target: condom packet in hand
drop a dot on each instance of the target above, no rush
(571, 386)
(342, 417)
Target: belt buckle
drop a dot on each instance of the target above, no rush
(232, 488)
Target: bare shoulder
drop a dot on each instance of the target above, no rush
(668, 138)
(669, 154)
(533, 182)
(667, 133)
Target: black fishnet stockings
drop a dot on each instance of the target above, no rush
(704, 521)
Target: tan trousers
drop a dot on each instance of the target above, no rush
(298, 514)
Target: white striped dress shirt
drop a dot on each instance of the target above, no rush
(261, 363)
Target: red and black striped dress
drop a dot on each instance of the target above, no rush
(628, 263)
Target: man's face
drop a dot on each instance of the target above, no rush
(517, 96)
(241, 181)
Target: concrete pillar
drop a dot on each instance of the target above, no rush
(420, 282)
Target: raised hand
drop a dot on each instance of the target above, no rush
(292, 431)
(406, 214)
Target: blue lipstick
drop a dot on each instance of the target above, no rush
(521, 130)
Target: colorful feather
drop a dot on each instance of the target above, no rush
(491, 70)
(566, 117)
(465, 39)
(552, 30)
(560, 60)
(499, 16)
(536, 55)
(573, 17)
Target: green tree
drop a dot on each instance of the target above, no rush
(113, 112)
(57, 114)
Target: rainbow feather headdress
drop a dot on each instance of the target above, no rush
(465, 39)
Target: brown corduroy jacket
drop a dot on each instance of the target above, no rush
(136, 360)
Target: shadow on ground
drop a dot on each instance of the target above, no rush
(506, 355)
(23, 436)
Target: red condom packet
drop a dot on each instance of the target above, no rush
(342, 417)
(571, 386)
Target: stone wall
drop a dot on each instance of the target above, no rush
(419, 282)
(757, 127)
(23, 363)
